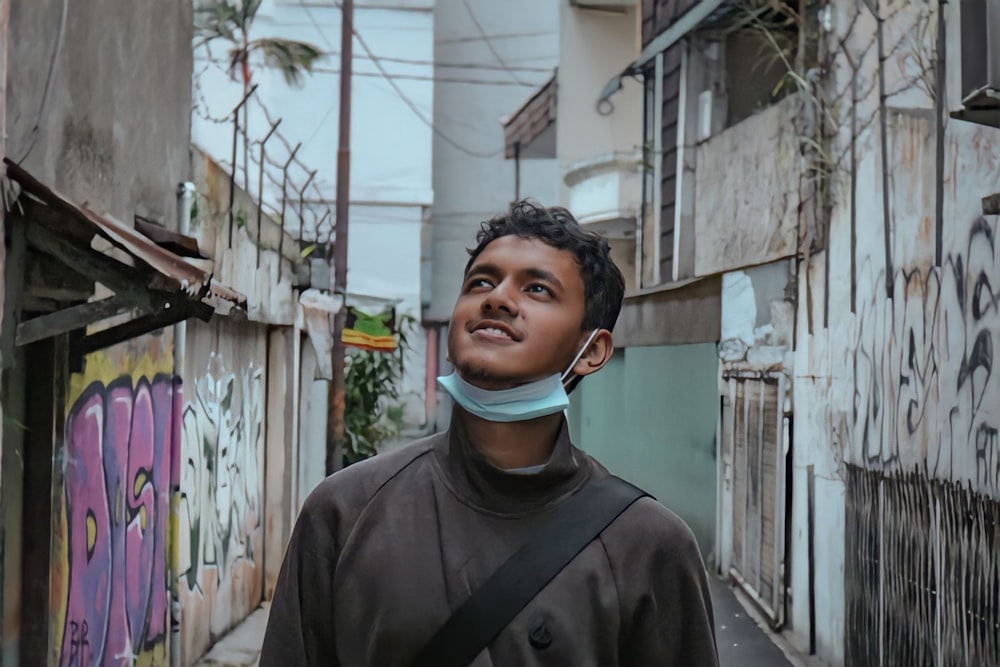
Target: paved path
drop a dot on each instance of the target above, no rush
(741, 642)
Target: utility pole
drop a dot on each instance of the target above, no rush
(335, 414)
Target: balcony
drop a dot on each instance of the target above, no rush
(747, 191)
(605, 193)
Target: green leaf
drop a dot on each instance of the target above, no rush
(292, 58)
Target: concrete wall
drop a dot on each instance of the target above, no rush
(221, 513)
(595, 46)
(114, 125)
(106, 120)
(650, 416)
(475, 88)
(899, 376)
(746, 209)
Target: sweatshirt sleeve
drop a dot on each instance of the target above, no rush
(666, 607)
(300, 622)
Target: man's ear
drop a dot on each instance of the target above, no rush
(597, 354)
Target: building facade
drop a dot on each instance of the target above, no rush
(158, 353)
(837, 169)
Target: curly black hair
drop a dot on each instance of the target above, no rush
(603, 283)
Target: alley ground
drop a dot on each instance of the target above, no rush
(741, 642)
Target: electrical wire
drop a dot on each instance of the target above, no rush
(515, 35)
(489, 43)
(420, 77)
(404, 97)
(413, 107)
(53, 62)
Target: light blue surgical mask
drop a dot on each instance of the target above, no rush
(527, 401)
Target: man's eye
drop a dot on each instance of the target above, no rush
(538, 289)
(478, 283)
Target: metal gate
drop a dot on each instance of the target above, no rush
(754, 436)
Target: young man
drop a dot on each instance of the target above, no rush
(386, 550)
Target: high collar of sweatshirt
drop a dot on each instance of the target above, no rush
(485, 486)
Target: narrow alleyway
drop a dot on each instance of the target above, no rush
(741, 642)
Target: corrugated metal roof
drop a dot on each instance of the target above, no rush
(533, 118)
(190, 275)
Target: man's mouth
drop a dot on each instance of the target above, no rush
(495, 330)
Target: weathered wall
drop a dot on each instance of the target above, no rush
(746, 189)
(110, 594)
(247, 255)
(105, 120)
(894, 362)
(594, 47)
(220, 518)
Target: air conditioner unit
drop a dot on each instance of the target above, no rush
(980, 51)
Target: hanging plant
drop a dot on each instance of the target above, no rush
(372, 385)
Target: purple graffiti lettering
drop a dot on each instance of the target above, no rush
(119, 445)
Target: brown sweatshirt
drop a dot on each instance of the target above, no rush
(386, 549)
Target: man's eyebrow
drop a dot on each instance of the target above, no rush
(486, 268)
(542, 274)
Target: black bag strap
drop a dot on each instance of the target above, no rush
(558, 540)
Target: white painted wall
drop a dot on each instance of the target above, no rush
(391, 141)
(887, 384)
(472, 180)
(594, 47)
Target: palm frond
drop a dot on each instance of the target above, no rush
(291, 57)
(218, 19)
(249, 10)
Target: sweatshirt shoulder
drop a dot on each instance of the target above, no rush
(356, 485)
(650, 528)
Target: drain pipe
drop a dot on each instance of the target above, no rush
(185, 199)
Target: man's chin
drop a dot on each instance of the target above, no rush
(485, 379)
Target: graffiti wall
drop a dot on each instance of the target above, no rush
(220, 512)
(121, 440)
(925, 392)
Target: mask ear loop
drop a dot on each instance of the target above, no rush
(569, 371)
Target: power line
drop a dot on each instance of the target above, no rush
(438, 63)
(413, 107)
(489, 43)
(376, 60)
(421, 77)
(515, 35)
(441, 79)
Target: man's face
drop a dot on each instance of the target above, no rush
(518, 316)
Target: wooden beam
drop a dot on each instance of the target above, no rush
(127, 282)
(991, 205)
(185, 246)
(16, 261)
(68, 319)
(176, 311)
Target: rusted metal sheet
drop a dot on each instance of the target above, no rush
(746, 192)
(191, 275)
(911, 600)
(531, 120)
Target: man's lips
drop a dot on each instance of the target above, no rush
(495, 329)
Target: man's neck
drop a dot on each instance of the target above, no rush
(513, 444)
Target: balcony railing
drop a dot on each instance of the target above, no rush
(605, 192)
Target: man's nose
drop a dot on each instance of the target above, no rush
(501, 298)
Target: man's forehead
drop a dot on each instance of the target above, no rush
(522, 249)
